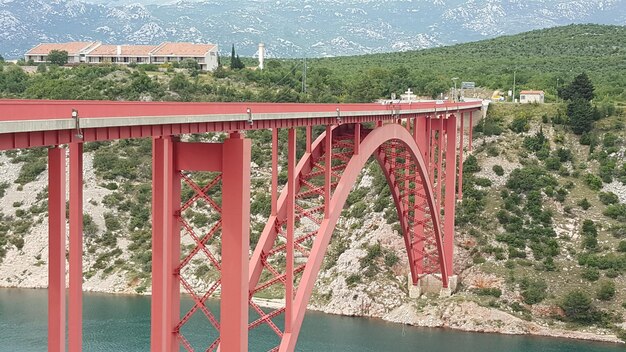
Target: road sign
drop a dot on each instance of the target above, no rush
(468, 85)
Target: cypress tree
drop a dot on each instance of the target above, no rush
(579, 94)
(581, 115)
(580, 88)
(233, 62)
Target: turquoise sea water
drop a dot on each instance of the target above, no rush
(122, 323)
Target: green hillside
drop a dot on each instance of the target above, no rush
(541, 59)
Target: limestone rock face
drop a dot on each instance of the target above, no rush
(469, 316)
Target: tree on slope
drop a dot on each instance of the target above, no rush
(581, 115)
(579, 94)
(580, 88)
(235, 61)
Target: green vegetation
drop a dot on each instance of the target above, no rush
(57, 57)
(533, 291)
(578, 307)
(488, 291)
(541, 58)
(606, 291)
(235, 61)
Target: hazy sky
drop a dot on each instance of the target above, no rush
(124, 2)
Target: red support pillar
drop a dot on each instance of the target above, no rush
(430, 159)
(422, 137)
(328, 170)
(165, 308)
(471, 130)
(357, 138)
(56, 249)
(309, 138)
(75, 322)
(450, 196)
(171, 245)
(291, 219)
(461, 151)
(440, 137)
(235, 243)
(274, 171)
(158, 303)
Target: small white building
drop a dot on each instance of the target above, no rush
(98, 53)
(531, 96)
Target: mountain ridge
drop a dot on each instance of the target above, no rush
(292, 28)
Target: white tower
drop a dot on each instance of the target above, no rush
(261, 55)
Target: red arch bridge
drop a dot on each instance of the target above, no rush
(415, 144)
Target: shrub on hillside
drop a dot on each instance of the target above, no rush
(489, 127)
(488, 291)
(618, 231)
(608, 198)
(498, 170)
(552, 163)
(593, 182)
(529, 178)
(606, 291)
(30, 171)
(536, 142)
(520, 124)
(616, 211)
(578, 307)
(584, 204)
(533, 291)
(470, 165)
(590, 274)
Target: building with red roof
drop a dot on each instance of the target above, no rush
(531, 96)
(98, 53)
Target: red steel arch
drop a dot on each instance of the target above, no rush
(395, 149)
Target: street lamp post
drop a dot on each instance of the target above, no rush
(513, 98)
(454, 80)
(557, 90)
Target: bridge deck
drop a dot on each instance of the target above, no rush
(29, 123)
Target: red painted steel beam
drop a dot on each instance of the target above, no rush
(198, 156)
(357, 138)
(274, 171)
(172, 204)
(235, 243)
(291, 220)
(461, 151)
(309, 138)
(56, 249)
(75, 323)
(450, 195)
(471, 130)
(328, 150)
(20, 110)
(158, 303)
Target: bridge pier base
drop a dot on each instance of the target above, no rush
(415, 291)
(432, 284)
